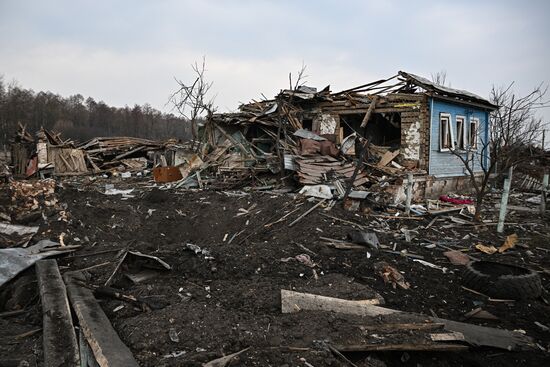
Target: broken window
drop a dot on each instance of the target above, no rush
(460, 133)
(307, 124)
(446, 141)
(382, 129)
(474, 126)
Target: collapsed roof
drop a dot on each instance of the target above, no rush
(263, 112)
(443, 91)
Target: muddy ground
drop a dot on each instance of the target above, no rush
(222, 305)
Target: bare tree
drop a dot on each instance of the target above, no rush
(300, 79)
(191, 100)
(513, 129)
(479, 168)
(440, 78)
(514, 125)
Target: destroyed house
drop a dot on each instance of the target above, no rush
(409, 124)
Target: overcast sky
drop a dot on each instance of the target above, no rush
(127, 52)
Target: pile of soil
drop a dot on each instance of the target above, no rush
(227, 297)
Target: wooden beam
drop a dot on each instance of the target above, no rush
(295, 301)
(60, 345)
(307, 212)
(432, 347)
(473, 334)
(108, 349)
(387, 158)
(369, 111)
(120, 156)
(403, 326)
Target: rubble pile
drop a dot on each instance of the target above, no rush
(33, 195)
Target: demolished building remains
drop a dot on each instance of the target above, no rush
(403, 124)
(365, 139)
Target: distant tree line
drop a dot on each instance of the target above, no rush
(81, 119)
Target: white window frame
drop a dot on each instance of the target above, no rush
(464, 133)
(473, 145)
(450, 128)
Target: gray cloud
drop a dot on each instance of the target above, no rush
(127, 52)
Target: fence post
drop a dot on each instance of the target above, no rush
(409, 193)
(504, 201)
(543, 194)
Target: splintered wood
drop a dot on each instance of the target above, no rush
(67, 159)
(295, 301)
(454, 331)
(316, 170)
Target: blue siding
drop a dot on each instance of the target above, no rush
(444, 164)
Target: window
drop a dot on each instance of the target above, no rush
(460, 133)
(472, 138)
(307, 124)
(446, 139)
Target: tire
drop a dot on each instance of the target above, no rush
(502, 281)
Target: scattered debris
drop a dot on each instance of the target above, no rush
(303, 258)
(391, 275)
(224, 361)
(429, 264)
(457, 257)
(198, 250)
(486, 249)
(137, 267)
(365, 238)
(542, 326)
(7, 228)
(15, 260)
(479, 313)
(318, 191)
(110, 190)
(510, 242)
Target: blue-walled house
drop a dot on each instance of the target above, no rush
(431, 125)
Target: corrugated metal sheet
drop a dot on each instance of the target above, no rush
(446, 91)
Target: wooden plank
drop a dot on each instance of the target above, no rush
(369, 111)
(403, 326)
(307, 212)
(387, 158)
(447, 337)
(60, 345)
(224, 361)
(295, 301)
(473, 334)
(487, 336)
(120, 156)
(321, 164)
(312, 168)
(432, 347)
(347, 174)
(108, 349)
